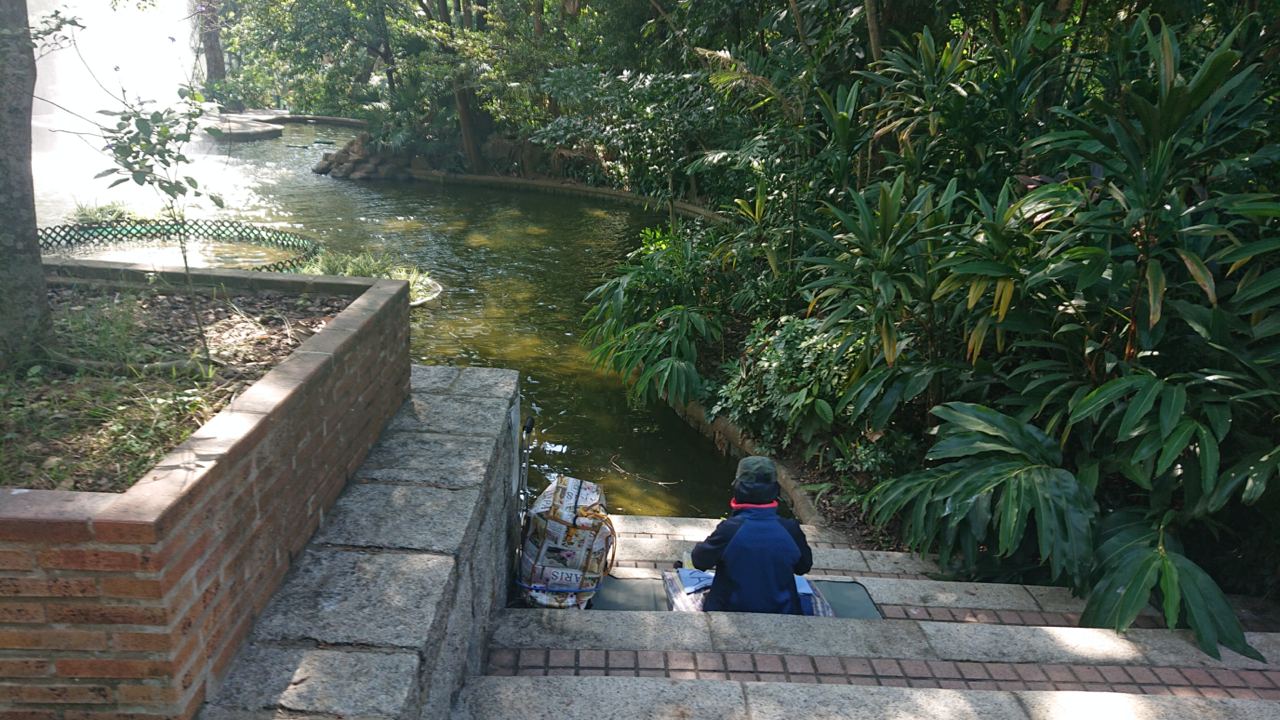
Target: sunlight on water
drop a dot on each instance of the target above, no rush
(214, 254)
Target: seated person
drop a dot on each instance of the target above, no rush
(755, 553)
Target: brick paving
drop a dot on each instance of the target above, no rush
(1030, 618)
(763, 667)
(996, 617)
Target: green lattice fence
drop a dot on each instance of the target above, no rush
(64, 238)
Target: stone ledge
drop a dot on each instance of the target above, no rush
(401, 565)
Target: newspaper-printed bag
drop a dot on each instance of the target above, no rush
(568, 545)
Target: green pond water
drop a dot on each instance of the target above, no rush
(514, 267)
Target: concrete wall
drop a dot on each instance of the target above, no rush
(129, 605)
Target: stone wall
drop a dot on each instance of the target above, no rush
(130, 605)
(388, 610)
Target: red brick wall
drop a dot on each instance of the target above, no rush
(129, 605)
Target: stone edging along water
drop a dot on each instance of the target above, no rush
(137, 601)
(565, 187)
(728, 437)
(265, 124)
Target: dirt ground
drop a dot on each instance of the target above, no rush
(123, 378)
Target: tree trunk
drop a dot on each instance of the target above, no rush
(873, 28)
(466, 15)
(467, 124)
(24, 304)
(211, 38)
(538, 10)
(442, 9)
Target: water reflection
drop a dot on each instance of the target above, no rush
(514, 267)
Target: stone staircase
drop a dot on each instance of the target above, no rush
(943, 650)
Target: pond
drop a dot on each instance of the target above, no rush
(515, 268)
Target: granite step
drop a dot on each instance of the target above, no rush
(661, 552)
(686, 528)
(639, 698)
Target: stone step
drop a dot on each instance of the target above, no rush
(651, 552)
(912, 640)
(685, 528)
(637, 698)
(946, 601)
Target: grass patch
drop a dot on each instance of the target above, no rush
(82, 431)
(374, 265)
(95, 214)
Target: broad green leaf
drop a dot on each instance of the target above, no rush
(986, 268)
(823, 409)
(965, 444)
(1155, 292)
(1175, 444)
(1247, 252)
(1171, 591)
(1124, 587)
(1219, 417)
(1139, 406)
(1200, 273)
(1173, 400)
(1208, 458)
(1210, 616)
(1264, 285)
(1106, 394)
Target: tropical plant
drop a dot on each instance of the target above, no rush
(1136, 315)
(651, 322)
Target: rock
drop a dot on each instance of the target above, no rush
(342, 170)
(323, 167)
(358, 148)
(364, 170)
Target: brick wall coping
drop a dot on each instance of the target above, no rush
(142, 514)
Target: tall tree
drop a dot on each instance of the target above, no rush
(24, 307)
(873, 29)
(211, 38)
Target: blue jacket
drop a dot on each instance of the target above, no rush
(756, 555)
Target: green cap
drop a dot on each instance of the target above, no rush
(756, 481)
